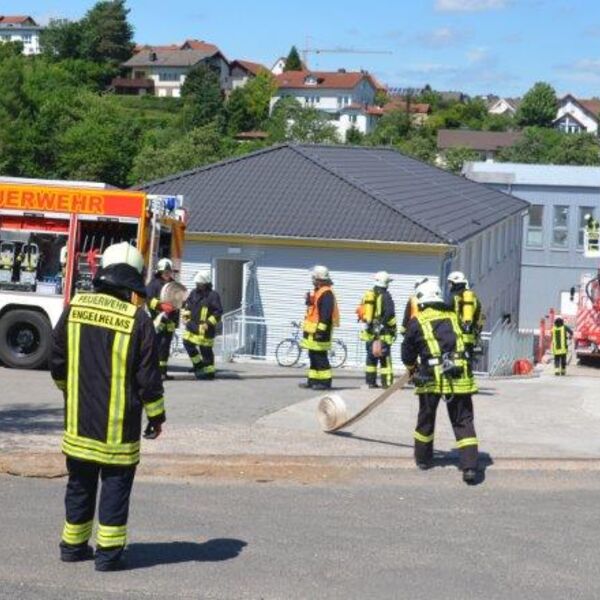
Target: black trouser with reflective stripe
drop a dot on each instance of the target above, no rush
(460, 411)
(202, 357)
(560, 364)
(320, 369)
(113, 509)
(385, 362)
(164, 349)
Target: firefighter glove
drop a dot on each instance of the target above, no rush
(153, 430)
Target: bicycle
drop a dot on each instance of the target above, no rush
(289, 350)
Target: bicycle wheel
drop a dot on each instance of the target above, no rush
(338, 354)
(287, 352)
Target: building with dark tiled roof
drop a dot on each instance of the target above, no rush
(261, 221)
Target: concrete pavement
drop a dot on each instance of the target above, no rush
(257, 409)
(391, 535)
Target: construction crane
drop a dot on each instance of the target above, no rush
(339, 50)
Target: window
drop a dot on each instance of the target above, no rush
(583, 210)
(26, 38)
(535, 235)
(139, 75)
(560, 227)
(168, 76)
(352, 118)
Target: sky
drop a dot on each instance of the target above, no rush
(476, 46)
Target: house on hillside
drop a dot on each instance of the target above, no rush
(242, 71)
(552, 259)
(21, 28)
(575, 115)
(161, 70)
(418, 111)
(347, 97)
(504, 106)
(485, 143)
(261, 221)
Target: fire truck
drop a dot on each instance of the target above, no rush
(586, 336)
(52, 234)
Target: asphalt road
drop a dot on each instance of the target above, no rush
(406, 534)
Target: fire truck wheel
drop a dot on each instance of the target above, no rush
(25, 337)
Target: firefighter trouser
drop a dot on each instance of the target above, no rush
(113, 509)
(460, 411)
(164, 349)
(320, 369)
(384, 362)
(202, 357)
(560, 364)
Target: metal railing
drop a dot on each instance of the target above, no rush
(502, 347)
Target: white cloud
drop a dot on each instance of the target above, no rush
(441, 37)
(469, 5)
(477, 55)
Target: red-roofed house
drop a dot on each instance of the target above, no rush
(575, 115)
(346, 96)
(21, 28)
(241, 71)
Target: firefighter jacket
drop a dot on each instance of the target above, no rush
(378, 312)
(202, 312)
(410, 310)
(434, 348)
(559, 339)
(169, 322)
(467, 306)
(322, 315)
(105, 359)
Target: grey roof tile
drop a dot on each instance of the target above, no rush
(336, 192)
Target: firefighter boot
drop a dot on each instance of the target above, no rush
(469, 476)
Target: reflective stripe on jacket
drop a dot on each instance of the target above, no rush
(105, 359)
(204, 309)
(434, 334)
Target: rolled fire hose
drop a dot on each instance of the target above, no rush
(332, 412)
(173, 293)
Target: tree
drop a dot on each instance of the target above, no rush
(391, 128)
(10, 49)
(293, 61)
(354, 136)
(534, 146)
(455, 158)
(106, 35)
(282, 114)
(576, 149)
(198, 147)
(311, 125)
(248, 107)
(203, 100)
(61, 39)
(419, 145)
(538, 107)
(381, 98)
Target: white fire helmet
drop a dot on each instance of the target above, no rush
(320, 273)
(123, 253)
(164, 264)
(428, 292)
(382, 279)
(457, 278)
(203, 277)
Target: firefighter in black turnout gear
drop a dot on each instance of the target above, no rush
(433, 349)
(377, 312)
(169, 317)
(201, 314)
(561, 333)
(105, 359)
(322, 315)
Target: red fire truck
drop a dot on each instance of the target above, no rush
(52, 234)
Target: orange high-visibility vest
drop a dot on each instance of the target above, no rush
(312, 318)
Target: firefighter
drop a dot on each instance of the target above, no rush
(105, 360)
(378, 315)
(412, 308)
(433, 350)
(201, 313)
(167, 324)
(322, 315)
(467, 306)
(560, 334)
(593, 231)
